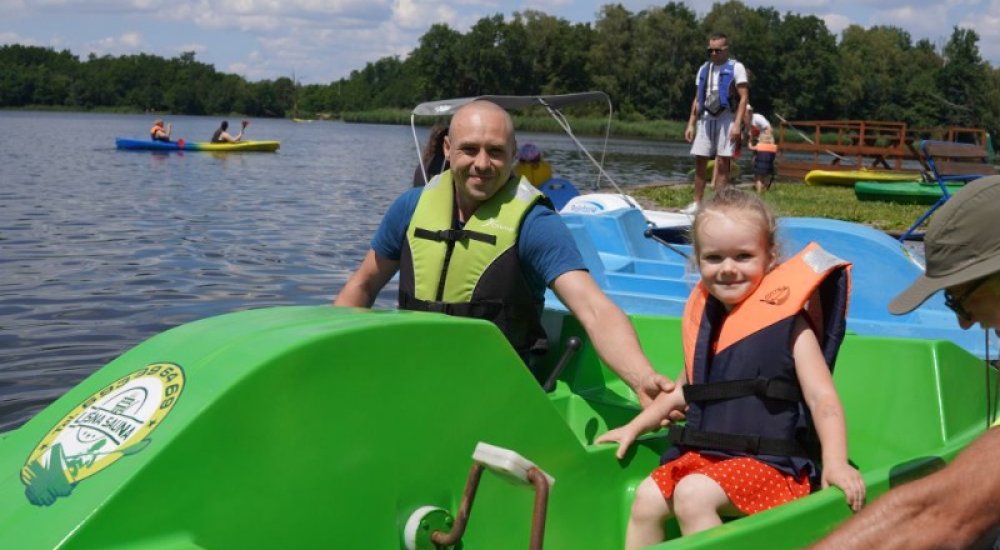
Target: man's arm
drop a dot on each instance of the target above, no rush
(364, 285)
(736, 129)
(611, 333)
(952, 508)
(692, 120)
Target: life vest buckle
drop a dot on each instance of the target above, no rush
(438, 307)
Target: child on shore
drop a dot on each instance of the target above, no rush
(758, 339)
(764, 153)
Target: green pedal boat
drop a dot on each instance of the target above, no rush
(323, 427)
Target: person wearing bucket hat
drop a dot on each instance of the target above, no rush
(955, 507)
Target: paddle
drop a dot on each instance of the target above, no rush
(180, 143)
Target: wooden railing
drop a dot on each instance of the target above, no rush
(856, 144)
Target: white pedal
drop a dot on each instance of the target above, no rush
(507, 463)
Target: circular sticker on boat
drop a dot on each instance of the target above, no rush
(113, 423)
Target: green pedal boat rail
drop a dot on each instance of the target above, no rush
(313, 427)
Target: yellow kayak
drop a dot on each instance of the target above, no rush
(237, 146)
(850, 177)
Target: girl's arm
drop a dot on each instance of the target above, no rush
(649, 419)
(827, 414)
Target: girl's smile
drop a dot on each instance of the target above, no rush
(733, 255)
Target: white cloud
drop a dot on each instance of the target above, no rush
(412, 14)
(125, 43)
(14, 38)
(11, 7)
(918, 21)
(836, 22)
(192, 47)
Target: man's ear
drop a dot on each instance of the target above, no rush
(447, 146)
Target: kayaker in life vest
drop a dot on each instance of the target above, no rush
(222, 136)
(758, 340)
(477, 242)
(717, 114)
(158, 132)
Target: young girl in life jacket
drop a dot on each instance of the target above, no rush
(746, 320)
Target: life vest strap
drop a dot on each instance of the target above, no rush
(751, 444)
(452, 235)
(477, 310)
(771, 388)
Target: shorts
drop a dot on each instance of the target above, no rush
(750, 484)
(711, 137)
(763, 163)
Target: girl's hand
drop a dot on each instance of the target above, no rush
(849, 480)
(650, 386)
(624, 436)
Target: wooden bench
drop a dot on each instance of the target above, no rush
(949, 161)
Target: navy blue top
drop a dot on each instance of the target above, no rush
(545, 246)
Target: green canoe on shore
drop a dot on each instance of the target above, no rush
(324, 427)
(905, 192)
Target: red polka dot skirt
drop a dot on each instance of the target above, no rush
(751, 485)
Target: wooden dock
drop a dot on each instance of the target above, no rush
(855, 144)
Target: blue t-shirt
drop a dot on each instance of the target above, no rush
(545, 246)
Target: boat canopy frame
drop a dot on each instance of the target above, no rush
(551, 103)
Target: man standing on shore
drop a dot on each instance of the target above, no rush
(717, 114)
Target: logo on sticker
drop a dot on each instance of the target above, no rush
(113, 423)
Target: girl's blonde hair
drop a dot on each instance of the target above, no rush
(729, 199)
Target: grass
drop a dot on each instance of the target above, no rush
(798, 199)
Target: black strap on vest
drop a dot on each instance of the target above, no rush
(751, 444)
(452, 235)
(477, 310)
(772, 388)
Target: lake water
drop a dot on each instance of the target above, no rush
(101, 249)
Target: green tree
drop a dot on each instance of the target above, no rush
(962, 81)
(667, 53)
(803, 78)
(556, 53)
(609, 59)
(873, 86)
(435, 62)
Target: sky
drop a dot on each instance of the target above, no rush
(319, 41)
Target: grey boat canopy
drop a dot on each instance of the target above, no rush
(447, 107)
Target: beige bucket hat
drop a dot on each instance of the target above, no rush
(962, 243)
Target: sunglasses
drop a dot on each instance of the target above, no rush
(710, 51)
(954, 303)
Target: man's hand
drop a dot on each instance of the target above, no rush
(650, 386)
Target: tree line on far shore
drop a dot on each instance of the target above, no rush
(646, 62)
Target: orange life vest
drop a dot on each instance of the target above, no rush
(743, 393)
